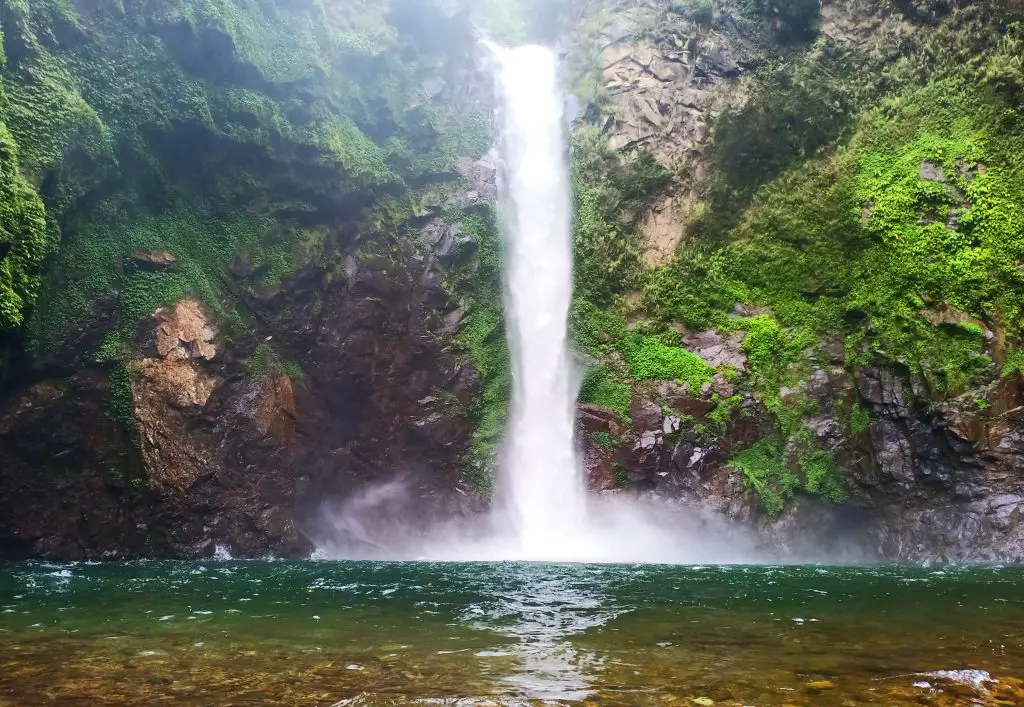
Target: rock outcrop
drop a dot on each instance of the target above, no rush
(940, 485)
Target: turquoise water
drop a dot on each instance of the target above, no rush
(366, 633)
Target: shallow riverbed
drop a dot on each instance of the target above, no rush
(366, 633)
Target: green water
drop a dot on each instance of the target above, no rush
(351, 633)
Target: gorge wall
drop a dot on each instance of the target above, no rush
(249, 265)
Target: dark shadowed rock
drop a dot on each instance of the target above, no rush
(881, 388)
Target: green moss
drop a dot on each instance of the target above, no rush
(604, 439)
(611, 192)
(1014, 363)
(478, 282)
(859, 243)
(119, 396)
(649, 358)
(96, 262)
(721, 414)
(821, 477)
(23, 238)
(265, 362)
(860, 420)
(765, 472)
(620, 475)
(601, 387)
(793, 19)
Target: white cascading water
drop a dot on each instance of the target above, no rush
(542, 508)
(540, 485)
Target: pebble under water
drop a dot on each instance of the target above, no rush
(374, 633)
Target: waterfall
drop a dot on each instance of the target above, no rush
(541, 510)
(540, 485)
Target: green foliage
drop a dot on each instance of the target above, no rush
(119, 396)
(279, 119)
(791, 111)
(722, 412)
(594, 330)
(611, 192)
(364, 160)
(478, 283)
(601, 387)
(821, 477)
(860, 420)
(96, 262)
(702, 12)
(265, 363)
(620, 475)
(45, 111)
(1014, 363)
(23, 242)
(649, 358)
(858, 242)
(696, 288)
(765, 471)
(604, 439)
(793, 19)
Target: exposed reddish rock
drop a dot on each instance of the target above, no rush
(595, 418)
(183, 332)
(154, 261)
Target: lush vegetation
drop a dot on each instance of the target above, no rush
(874, 198)
(109, 112)
(477, 282)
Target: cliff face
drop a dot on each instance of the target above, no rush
(818, 335)
(249, 269)
(242, 300)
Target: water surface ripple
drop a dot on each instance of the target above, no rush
(369, 633)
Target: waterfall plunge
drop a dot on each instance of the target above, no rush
(542, 510)
(540, 486)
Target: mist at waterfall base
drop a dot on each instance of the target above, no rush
(541, 509)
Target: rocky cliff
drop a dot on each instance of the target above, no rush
(249, 269)
(816, 331)
(233, 286)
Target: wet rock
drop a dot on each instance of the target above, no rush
(594, 418)
(893, 451)
(721, 386)
(819, 383)
(827, 431)
(481, 176)
(820, 685)
(646, 415)
(718, 350)
(932, 172)
(153, 261)
(598, 468)
(881, 388)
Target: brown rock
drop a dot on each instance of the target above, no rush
(276, 412)
(595, 418)
(154, 261)
(183, 332)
